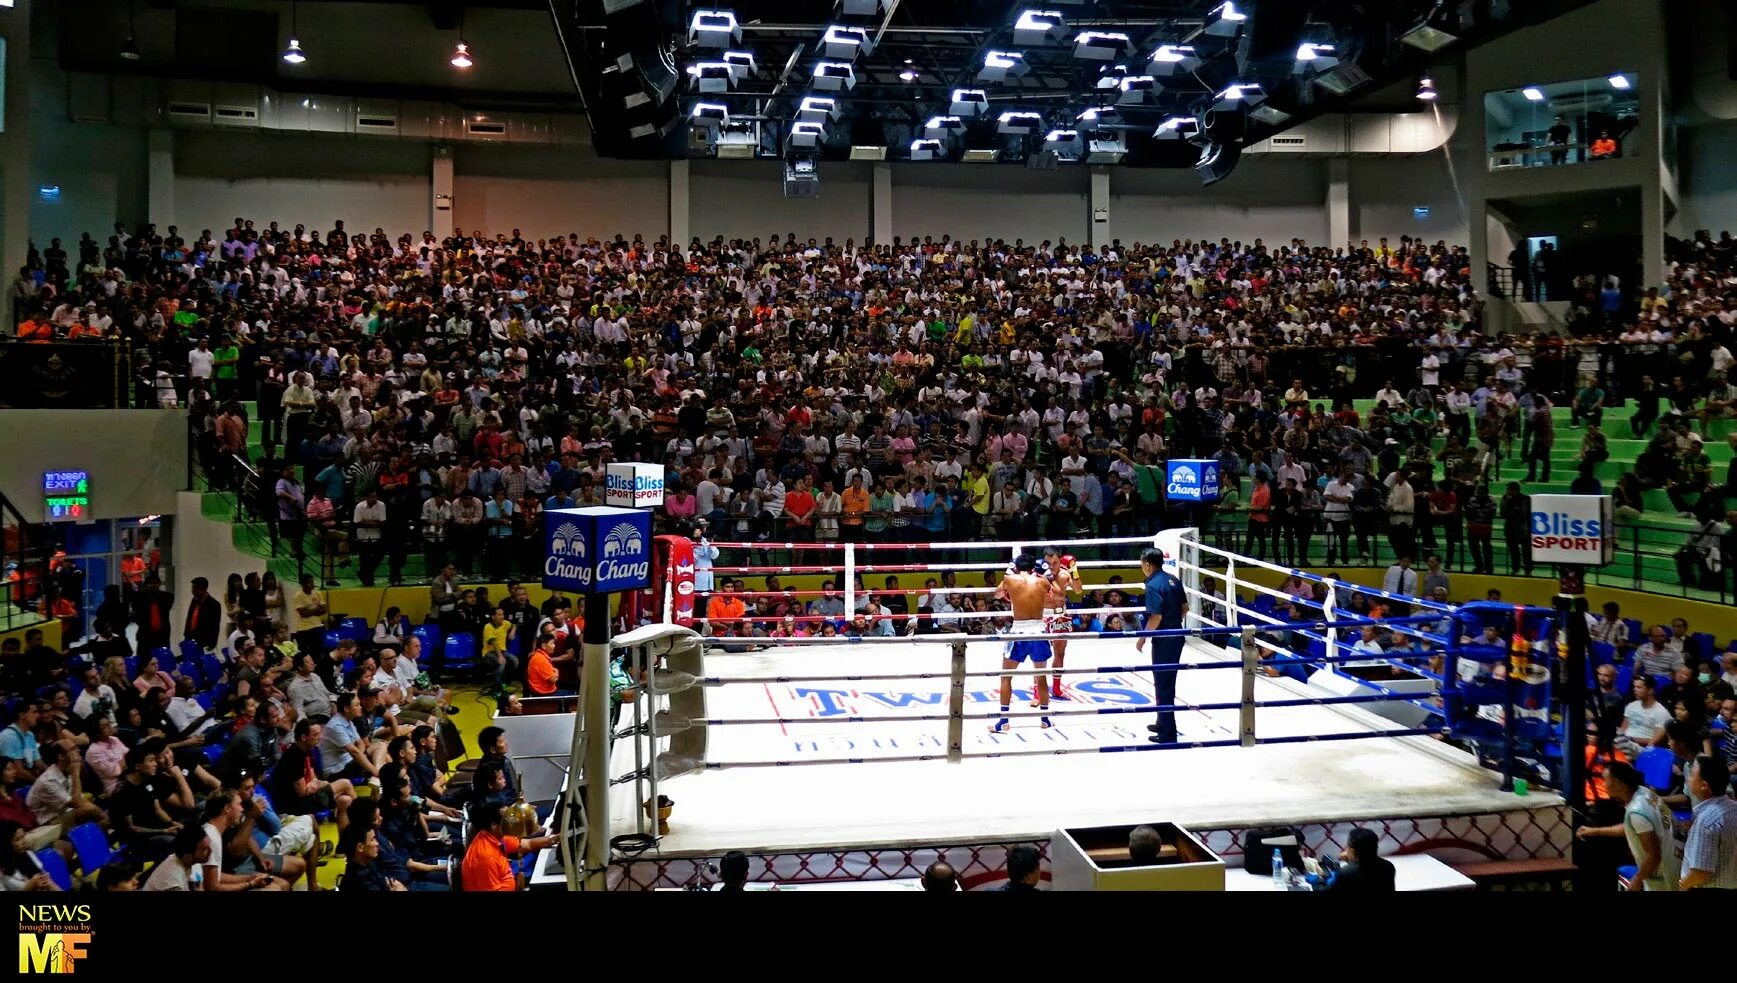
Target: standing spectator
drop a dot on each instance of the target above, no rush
(1710, 855)
(1646, 824)
(308, 617)
(204, 616)
(291, 509)
(370, 519)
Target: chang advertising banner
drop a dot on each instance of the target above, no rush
(1192, 481)
(1573, 529)
(599, 550)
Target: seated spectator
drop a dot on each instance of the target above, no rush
(57, 797)
(488, 860)
(295, 782)
(1644, 719)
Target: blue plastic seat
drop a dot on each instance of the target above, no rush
(191, 669)
(1701, 644)
(54, 865)
(432, 641)
(213, 753)
(1654, 764)
(1603, 653)
(334, 638)
(1627, 871)
(459, 655)
(210, 669)
(92, 845)
(355, 629)
(132, 663)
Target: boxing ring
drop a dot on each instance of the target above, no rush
(836, 758)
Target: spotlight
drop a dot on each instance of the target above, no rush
(1170, 58)
(1248, 93)
(908, 75)
(1062, 141)
(1269, 114)
(711, 76)
(1018, 122)
(943, 125)
(461, 56)
(1038, 27)
(834, 76)
(927, 150)
(846, 42)
(741, 64)
(1435, 31)
(1619, 82)
(1178, 128)
(968, 102)
(1315, 58)
(1100, 45)
(130, 49)
(1426, 89)
(1137, 90)
(1107, 150)
(1111, 76)
(710, 114)
(818, 109)
(1097, 117)
(1533, 93)
(1225, 21)
(999, 66)
(807, 136)
(714, 29)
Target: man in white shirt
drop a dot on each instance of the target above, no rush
(1643, 719)
(1400, 578)
(200, 361)
(370, 518)
(95, 691)
(57, 795)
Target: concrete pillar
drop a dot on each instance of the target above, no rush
(881, 203)
(16, 184)
(1339, 224)
(441, 184)
(680, 191)
(160, 177)
(1098, 235)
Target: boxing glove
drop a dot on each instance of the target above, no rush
(1067, 561)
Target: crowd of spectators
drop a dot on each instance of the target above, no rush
(420, 401)
(212, 764)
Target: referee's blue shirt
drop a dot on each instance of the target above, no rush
(1164, 597)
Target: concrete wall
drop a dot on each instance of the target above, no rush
(746, 199)
(204, 547)
(549, 191)
(137, 459)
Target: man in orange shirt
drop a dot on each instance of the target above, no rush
(856, 506)
(727, 605)
(799, 512)
(487, 864)
(541, 676)
(1604, 147)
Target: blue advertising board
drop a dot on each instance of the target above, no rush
(1192, 481)
(599, 550)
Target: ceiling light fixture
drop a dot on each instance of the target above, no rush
(1426, 89)
(293, 53)
(1533, 93)
(461, 58)
(1225, 21)
(130, 47)
(1619, 82)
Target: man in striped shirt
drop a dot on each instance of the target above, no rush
(1710, 855)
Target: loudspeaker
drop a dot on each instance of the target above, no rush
(1216, 162)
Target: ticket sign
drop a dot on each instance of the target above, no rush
(598, 550)
(1192, 481)
(1573, 529)
(65, 496)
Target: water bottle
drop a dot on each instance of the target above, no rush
(1280, 877)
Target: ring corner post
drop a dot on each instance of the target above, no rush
(1250, 668)
(594, 723)
(956, 705)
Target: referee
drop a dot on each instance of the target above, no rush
(1165, 607)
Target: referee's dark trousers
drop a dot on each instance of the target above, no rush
(1166, 652)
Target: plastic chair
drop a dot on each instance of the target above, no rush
(210, 669)
(1603, 653)
(132, 663)
(206, 700)
(92, 845)
(333, 639)
(431, 637)
(213, 753)
(54, 865)
(190, 649)
(459, 655)
(355, 629)
(191, 669)
(1654, 764)
(1701, 644)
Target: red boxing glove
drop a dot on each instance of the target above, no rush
(1067, 561)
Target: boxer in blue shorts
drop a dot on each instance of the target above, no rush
(1025, 589)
